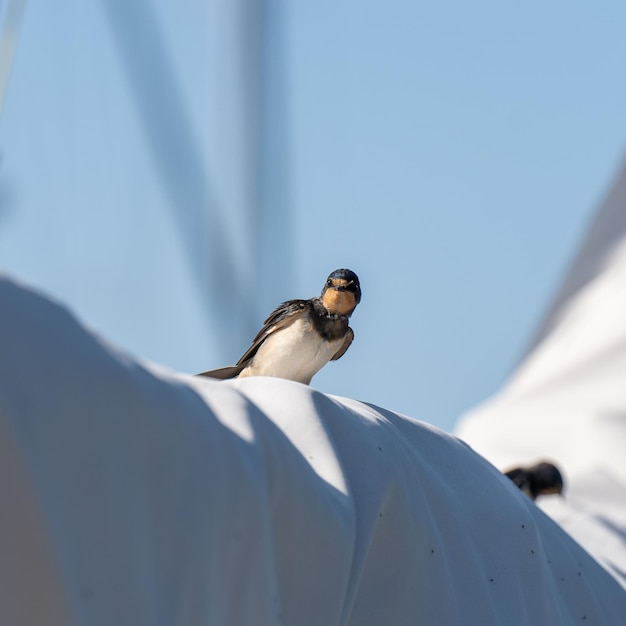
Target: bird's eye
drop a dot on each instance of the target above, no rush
(329, 283)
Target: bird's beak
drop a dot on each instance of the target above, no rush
(342, 287)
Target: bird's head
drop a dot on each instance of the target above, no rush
(341, 292)
(546, 478)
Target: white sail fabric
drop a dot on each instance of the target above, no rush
(567, 399)
(135, 496)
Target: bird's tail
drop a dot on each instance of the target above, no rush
(223, 373)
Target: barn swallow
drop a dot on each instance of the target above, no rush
(301, 336)
(538, 480)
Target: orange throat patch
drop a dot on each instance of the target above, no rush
(338, 302)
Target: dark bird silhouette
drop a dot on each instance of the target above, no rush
(301, 336)
(537, 480)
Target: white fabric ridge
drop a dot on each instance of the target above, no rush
(135, 496)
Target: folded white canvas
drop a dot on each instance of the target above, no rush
(135, 496)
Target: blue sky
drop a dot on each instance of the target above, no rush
(450, 153)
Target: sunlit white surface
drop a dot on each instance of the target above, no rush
(566, 401)
(136, 496)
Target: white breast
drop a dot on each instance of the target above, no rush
(296, 352)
